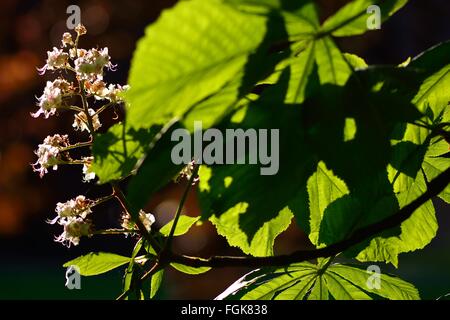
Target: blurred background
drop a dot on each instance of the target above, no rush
(31, 262)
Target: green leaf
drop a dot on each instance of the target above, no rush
(411, 237)
(304, 280)
(351, 19)
(355, 61)
(267, 287)
(190, 270)
(256, 200)
(261, 245)
(434, 91)
(179, 63)
(117, 151)
(319, 291)
(333, 67)
(434, 166)
(391, 287)
(434, 66)
(252, 210)
(183, 225)
(301, 16)
(371, 197)
(156, 281)
(299, 290)
(300, 67)
(195, 79)
(129, 272)
(323, 189)
(341, 289)
(417, 151)
(95, 263)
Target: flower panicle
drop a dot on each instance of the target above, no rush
(79, 87)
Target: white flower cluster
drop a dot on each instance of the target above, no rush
(74, 229)
(72, 216)
(88, 175)
(56, 59)
(52, 98)
(89, 64)
(100, 91)
(147, 219)
(49, 153)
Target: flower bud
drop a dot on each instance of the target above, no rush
(80, 29)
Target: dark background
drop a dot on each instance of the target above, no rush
(31, 263)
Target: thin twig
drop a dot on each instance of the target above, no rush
(168, 244)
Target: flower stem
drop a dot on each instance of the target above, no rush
(77, 145)
(86, 108)
(102, 200)
(74, 108)
(114, 231)
(103, 108)
(168, 244)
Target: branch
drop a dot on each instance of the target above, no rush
(435, 187)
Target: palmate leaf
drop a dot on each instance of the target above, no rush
(307, 281)
(198, 86)
(364, 194)
(197, 79)
(408, 158)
